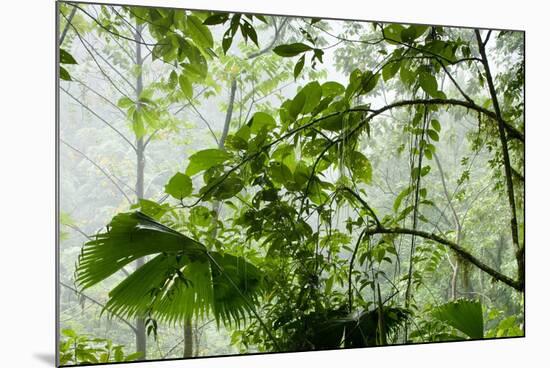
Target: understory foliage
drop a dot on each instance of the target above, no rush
(81, 349)
(381, 206)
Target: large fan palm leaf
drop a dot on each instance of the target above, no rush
(182, 279)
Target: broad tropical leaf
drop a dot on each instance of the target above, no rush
(182, 280)
(464, 315)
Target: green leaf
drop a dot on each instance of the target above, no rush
(228, 188)
(299, 66)
(64, 74)
(297, 105)
(317, 54)
(200, 216)
(205, 159)
(420, 29)
(369, 81)
(390, 69)
(428, 83)
(179, 186)
(134, 356)
(409, 34)
(186, 86)
(436, 125)
(173, 79)
(464, 315)
(280, 173)
(199, 32)
(104, 358)
(119, 355)
(69, 333)
(291, 50)
(360, 167)
(137, 124)
(261, 18)
(250, 32)
(197, 68)
(355, 79)
(302, 174)
(415, 172)
(316, 193)
(164, 50)
(227, 41)
(218, 18)
(262, 120)
(66, 58)
(331, 89)
(334, 123)
(235, 143)
(433, 135)
(125, 102)
(312, 92)
(406, 75)
(151, 208)
(397, 203)
(393, 33)
(425, 170)
(235, 21)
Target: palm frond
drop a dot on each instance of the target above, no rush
(182, 280)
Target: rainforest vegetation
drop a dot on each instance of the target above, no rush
(236, 183)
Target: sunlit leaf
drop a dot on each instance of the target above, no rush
(205, 159)
(292, 49)
(199, 32)
(299, 66)
(360, 166)
(179, 186)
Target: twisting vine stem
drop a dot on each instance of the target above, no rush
(505, 158)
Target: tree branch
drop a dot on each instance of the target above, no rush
(278, 30)
(100, 96)
(84, 44)
(364, 203)
(517, 285)
(100, 118)
(512, 131)
(190, 103)
(103, 171)
(97, 303)
(110, 31)
(66, 29)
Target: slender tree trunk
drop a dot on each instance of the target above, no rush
(454, 277)
(196, 339)
(188, 338)
(141, 337)
(221, 143)
(188, 325)
(228, 114)
(66, 29)
(467, 287)
(519, 251)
